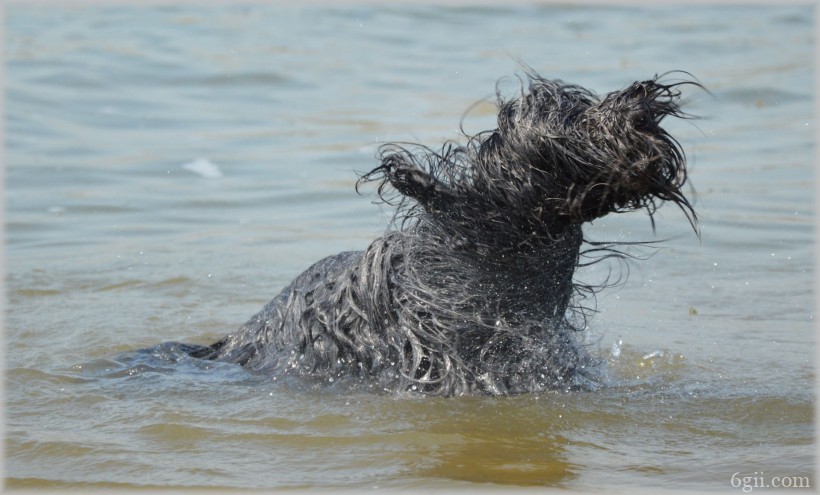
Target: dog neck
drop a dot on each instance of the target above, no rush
(490, 278)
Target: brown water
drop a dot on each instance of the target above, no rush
(115, 243)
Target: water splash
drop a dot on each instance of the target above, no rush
(204, 168)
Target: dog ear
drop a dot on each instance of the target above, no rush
(411, 180)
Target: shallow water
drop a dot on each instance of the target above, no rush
(169, 169)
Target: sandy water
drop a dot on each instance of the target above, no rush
(169, 169)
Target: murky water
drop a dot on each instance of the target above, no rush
(169, 169)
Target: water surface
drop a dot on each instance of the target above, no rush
(169, 169)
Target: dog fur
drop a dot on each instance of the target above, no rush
(472, 291)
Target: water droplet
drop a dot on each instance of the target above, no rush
(616, 348)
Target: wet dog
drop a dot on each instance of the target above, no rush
(472, 291)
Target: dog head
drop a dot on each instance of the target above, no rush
(590, 156)
(560, 156)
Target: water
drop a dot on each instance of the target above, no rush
(169, 169)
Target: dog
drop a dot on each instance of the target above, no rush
(471, 291)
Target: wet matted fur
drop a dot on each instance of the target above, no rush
(472, 289)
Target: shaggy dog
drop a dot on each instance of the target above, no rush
(472, 292)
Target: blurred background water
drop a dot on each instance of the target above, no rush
(170, 168)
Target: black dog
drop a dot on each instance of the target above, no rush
(473, 291)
